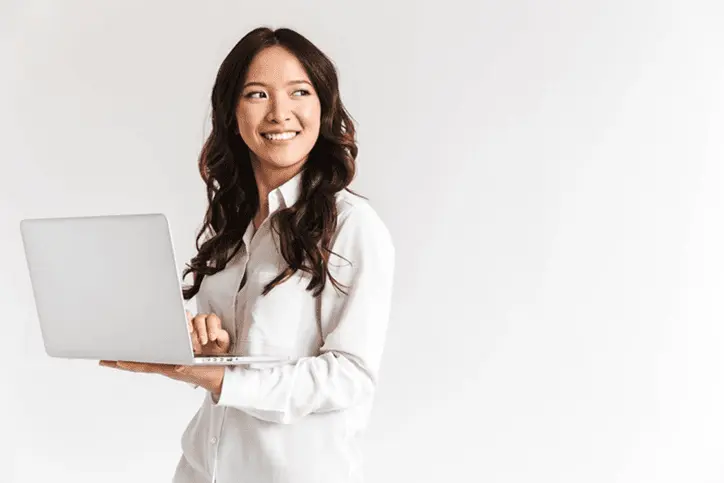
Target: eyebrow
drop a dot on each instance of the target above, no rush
(254, 83)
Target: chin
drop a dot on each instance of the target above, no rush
(278, 164)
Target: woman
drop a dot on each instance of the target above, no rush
(293, 264)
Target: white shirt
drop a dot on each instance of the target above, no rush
(301, 421)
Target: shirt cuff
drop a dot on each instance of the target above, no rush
(237, 387)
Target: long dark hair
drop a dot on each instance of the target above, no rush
(306, 228)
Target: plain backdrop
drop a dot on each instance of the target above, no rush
(551, 173)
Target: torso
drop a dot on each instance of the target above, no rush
(288, 322)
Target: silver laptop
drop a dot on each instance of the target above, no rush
(107, 288)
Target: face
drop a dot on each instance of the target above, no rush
(279, 112)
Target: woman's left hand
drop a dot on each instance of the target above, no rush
(208, 377)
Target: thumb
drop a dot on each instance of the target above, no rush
(222, 339)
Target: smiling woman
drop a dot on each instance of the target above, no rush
(276, 113)
(292, 264)
(279, 112)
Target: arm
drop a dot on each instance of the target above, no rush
(354, 328)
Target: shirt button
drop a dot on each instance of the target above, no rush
(213, 440)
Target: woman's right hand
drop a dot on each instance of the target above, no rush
(207, 335)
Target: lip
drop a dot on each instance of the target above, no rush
(279, 141)
(280, 132)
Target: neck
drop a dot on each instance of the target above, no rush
(267, 180)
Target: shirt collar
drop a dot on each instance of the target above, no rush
(283, 196)
(287, 194)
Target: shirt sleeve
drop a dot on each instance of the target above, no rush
(354, 328)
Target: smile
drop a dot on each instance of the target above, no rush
(285, 136)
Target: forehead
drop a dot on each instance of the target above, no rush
(275, 65)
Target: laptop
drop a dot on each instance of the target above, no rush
(107, 288)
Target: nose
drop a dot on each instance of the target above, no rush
(279, 111)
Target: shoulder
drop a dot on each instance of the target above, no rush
(359, 223)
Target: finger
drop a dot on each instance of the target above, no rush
(195, 342)
(223, 340)
(200, 325)
(213, 326)
(138, 366)
(194, 338)
(132, 366)
(146, 367)
(217, 332)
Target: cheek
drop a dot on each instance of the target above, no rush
(311, 118)
(248, 120)
(247, 130)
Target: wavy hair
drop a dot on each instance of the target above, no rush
(305, 229)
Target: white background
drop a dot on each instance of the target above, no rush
(552, 176)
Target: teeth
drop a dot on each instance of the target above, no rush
(280, 136)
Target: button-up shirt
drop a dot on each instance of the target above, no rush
(299, 421)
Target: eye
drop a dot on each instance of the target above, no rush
(305, 91)
(250, 95)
